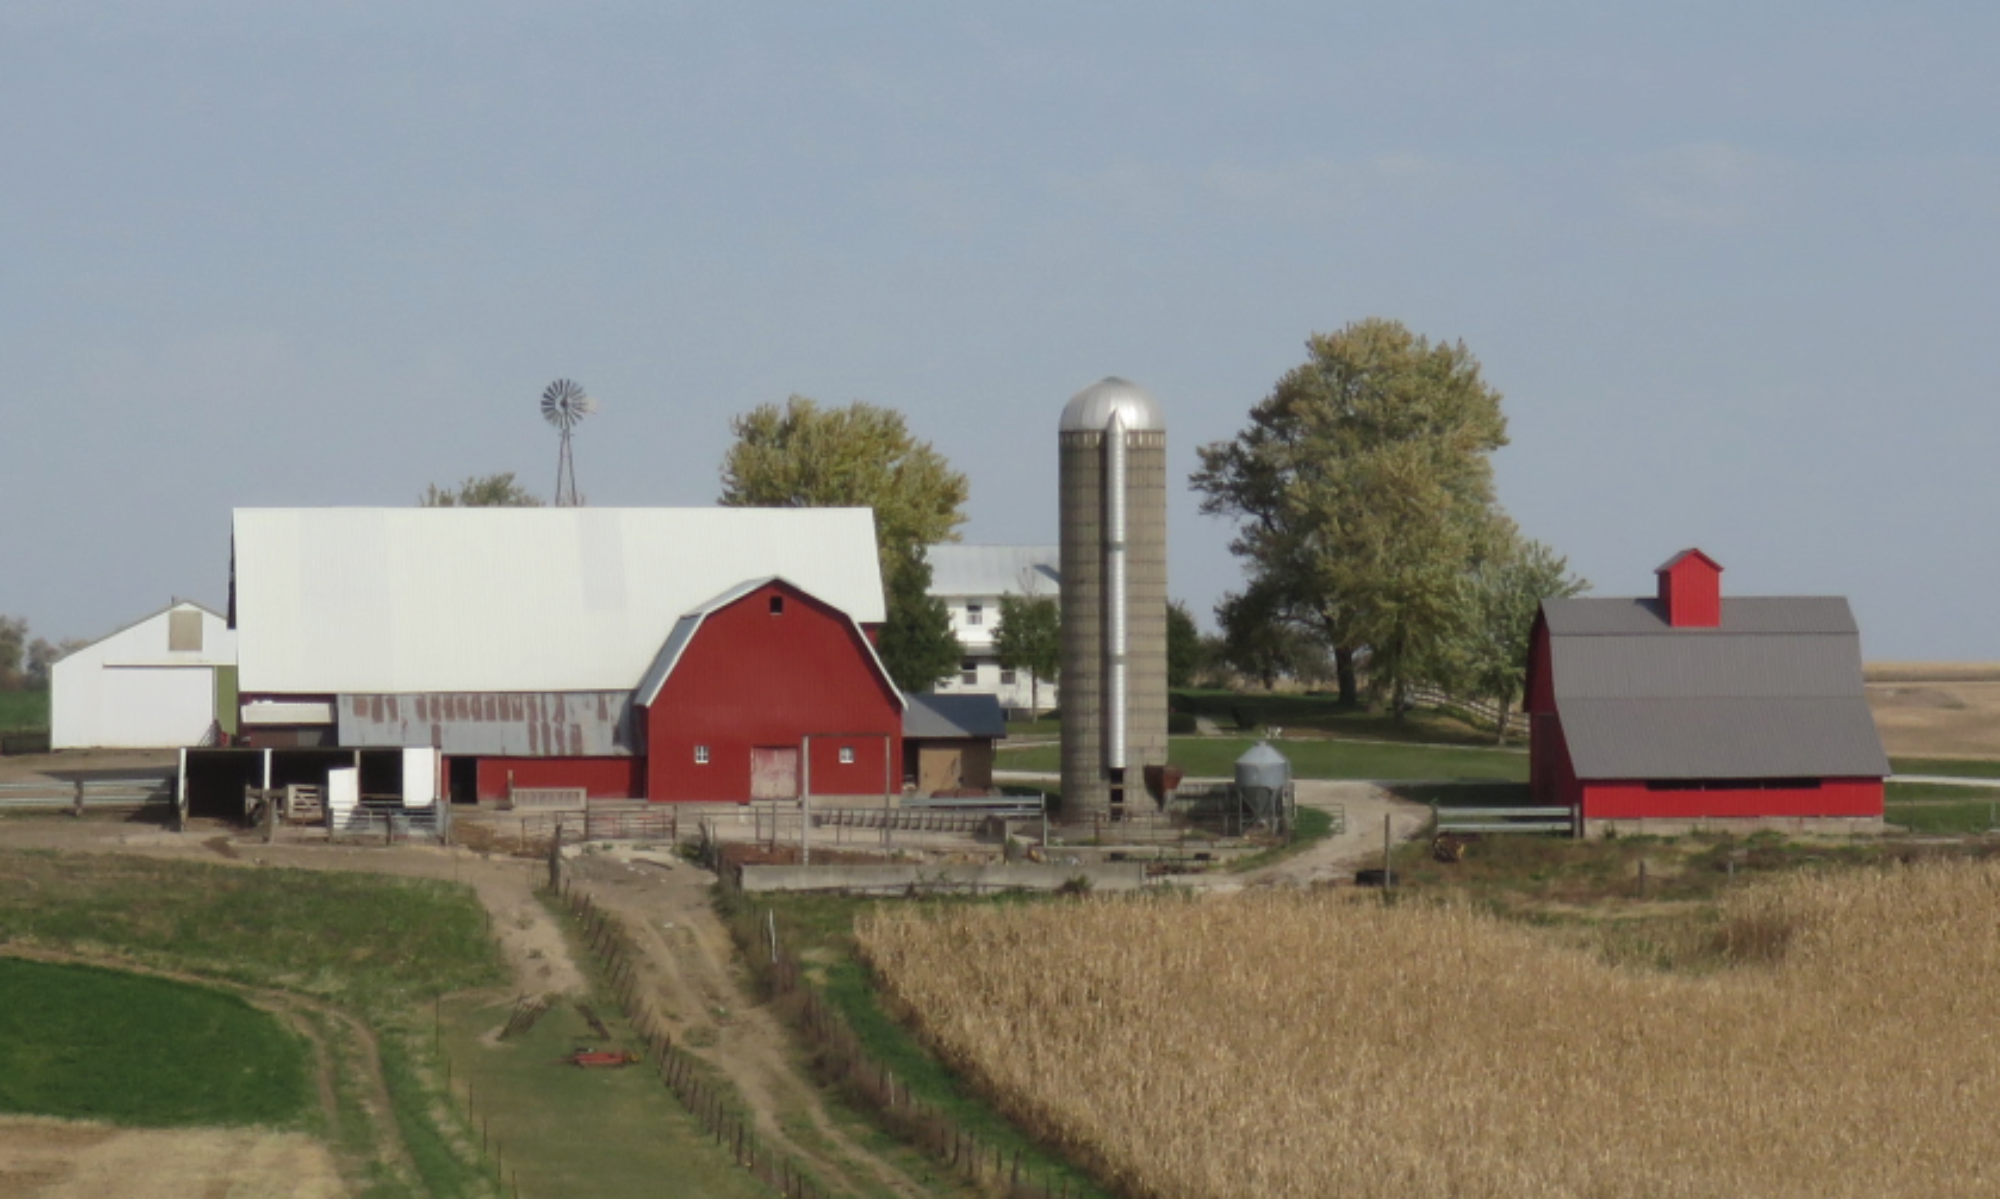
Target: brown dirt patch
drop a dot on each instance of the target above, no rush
(57, 1159)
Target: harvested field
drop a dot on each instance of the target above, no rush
(54, 1159)
(1948, 709)
(1834, 1041)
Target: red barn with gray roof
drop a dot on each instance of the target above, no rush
(1689, 706)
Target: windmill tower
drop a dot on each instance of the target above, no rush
(563, 405)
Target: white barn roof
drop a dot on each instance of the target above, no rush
(408, 600)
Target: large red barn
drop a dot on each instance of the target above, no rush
(1692, 708)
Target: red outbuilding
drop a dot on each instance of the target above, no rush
(1691, 708)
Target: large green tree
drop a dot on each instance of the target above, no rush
(802, 455)
(1030, 638)
(1183, 646)
(1363, 494)
(499, 490)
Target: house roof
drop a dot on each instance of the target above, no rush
(975, 570)
(1774, 691)
(403, 600)
(953, 716)
(690, 623)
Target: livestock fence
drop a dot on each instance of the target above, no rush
(1448, 820)
(89, 795)
(1484, 710)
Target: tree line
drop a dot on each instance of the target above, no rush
(25, 664)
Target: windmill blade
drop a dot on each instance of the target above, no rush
(564, 404)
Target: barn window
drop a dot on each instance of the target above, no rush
(973, 615)
(968, 673)
(777, 605)
(847, 755)
(701, 755)
(184, 632)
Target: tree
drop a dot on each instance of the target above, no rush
(805, 456)
(13, 643)
(1030, 638)
(482, 491)
(1363, 493)
(1184, 651)
(1508, 589)
(1263, 641)
(42, 657)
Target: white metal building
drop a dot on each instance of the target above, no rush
(971, 579)
(160, 682)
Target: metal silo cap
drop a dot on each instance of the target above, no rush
(1090, 410)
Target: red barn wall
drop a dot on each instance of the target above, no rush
(603, 778)
(1691, 592)
(1633, 800)
(753, 678)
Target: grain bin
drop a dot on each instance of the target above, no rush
(1264, 785)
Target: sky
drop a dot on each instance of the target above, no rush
(1733, 266)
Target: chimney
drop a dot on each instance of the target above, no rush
(1691, 590)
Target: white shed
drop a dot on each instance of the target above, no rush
(157, 683)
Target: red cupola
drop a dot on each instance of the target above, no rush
(1691, 590)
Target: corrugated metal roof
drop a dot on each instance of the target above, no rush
(1774, 692)
(591, 724)
(407, 600)
(953, 716)
(1726, 738)
(976, 570)
(1747, 614)
(1658, 667)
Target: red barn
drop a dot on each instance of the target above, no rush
(1688, 707)
(765, 692)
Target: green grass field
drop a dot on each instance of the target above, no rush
(1215, 757)
(23, 710)
(381, 948)
(610, 1133)
(86, 1043)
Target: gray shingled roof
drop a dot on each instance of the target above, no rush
(1774, 692)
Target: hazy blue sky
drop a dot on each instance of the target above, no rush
(1733, 265)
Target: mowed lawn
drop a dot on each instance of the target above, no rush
(85, 1043)
(1316, 758)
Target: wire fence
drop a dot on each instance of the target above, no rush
(87, 795)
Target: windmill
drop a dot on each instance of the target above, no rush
(563, 405)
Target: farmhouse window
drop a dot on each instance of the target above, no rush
(973, 614)
(1006, 678)
(968, 673)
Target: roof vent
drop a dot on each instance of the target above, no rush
(1691, 590)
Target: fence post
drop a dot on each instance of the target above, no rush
(77, 811)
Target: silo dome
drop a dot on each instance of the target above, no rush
(1090, 409)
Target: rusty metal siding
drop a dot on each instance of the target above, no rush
(576, 724)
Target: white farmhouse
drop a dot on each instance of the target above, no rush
(158, 683)
(971, 579)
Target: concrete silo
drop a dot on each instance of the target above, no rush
(1114, 597)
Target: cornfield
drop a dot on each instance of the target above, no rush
(1311, 1045)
